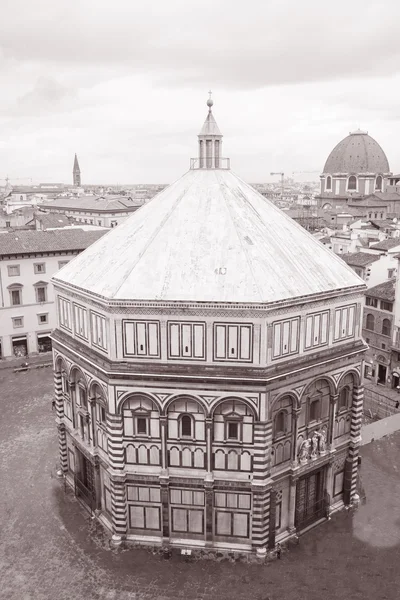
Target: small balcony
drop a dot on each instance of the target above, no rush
(210, 162)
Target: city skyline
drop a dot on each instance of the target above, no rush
(127, 91)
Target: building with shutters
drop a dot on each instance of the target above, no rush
(28, 260)
(208, 356)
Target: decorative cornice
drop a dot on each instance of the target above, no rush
(219, 309)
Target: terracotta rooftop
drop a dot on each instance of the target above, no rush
(95, 203)
(386, 244)
(384, 291)
(52, 220)
(58, 240)
(359, 259)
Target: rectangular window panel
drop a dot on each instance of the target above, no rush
(143, 494)
(186, 340)
(136, 517)
(344, 322)
(152, 515)
(196, 521)
(278, 511)
(153, 339)
(294, 336)
(155, 495)
(277, 339)
(231, 500)
(220, 499)
(220, 341)
(107, 500)
(324, 328)
(141, 338)
(64, 307)
(174, 339)
(128, 423)
(71, 460)
(316, 330)
(351, 320)
(244, 501)
(179, 520)
(80, 318)
(240, 525)
(232, 341)
(337, 323)
(129, 338)
(309, 326)
(223, 524)
(245, 342)
(198, 335)
(132, 492)
(338, 483)
(176, 496)
(198, 498)
(285, 337)
(187, 497)
(345, 313)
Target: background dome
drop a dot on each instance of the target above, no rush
(357, 153)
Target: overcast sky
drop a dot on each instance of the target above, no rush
(124, 84)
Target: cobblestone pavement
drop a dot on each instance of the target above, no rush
(49, 550)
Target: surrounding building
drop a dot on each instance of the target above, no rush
(208, 359)
(378, 322)
(104, 211)
(368, 266)
(28, 260)
(76, 173)
(356, 167)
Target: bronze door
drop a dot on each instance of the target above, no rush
(309, 499)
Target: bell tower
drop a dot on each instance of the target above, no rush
(76, 173)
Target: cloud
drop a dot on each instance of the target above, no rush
(47, 95)
(226, 43)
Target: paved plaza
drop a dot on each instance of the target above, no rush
(50, 550)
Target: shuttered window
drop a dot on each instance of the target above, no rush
(186, 340)
(316, 330)
(64, 313)
(141, 338)
(285, 337)
(80, 321)
(98, 330)
(233, 342)
(344, 322)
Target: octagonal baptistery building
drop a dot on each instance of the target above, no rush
(207, 364)
(356, 167)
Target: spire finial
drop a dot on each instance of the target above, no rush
(210, 101)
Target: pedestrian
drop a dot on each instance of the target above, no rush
(278, 551)
(397, 404)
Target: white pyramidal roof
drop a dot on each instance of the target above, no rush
(208, 237)
(210, 126)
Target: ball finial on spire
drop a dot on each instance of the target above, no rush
(210, 101)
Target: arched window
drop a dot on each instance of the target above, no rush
(343, 398)
(352, 183)
(186, 426)
(378, 183)
(386, 327)
(315, 410)
(82, 394)
(328, 183)
(280, 423)
(370, 322)
(137, 411)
